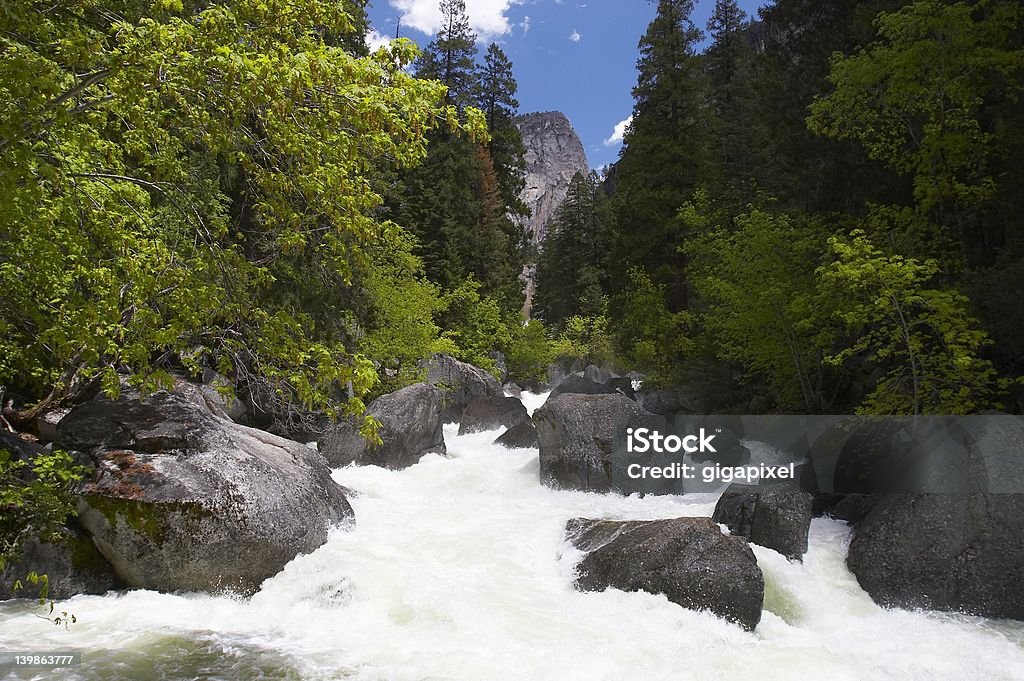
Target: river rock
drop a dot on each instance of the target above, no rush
(778, 520)
(954, 552)
(410, 426)
(182, 500)
(689, 560)
(597, 374)
(463, 384)
(491, 414)
(71, 563)
(578, 384)
(582, 440)
(522, 436)
(669, 402)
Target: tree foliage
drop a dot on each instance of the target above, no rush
(188, 181)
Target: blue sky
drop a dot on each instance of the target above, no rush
(573, 56)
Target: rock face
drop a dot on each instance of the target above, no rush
(523, 436)
(687, 559)
(71, 564)
(463, 384)
(582, 439)
(410, 426)
(777, 520)
(491, 414)
(554, 154)
(578, 384)
(182, 500)
(956, 552)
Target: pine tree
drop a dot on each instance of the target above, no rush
(660, 165)
(496, 98)
(725, 26)
(451, 57)
(572, 270)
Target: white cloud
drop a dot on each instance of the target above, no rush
(525, 25)
(575, 36)
(376, 40)
(489, 18)
(619, 132)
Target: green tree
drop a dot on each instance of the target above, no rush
(451, 57)
(661, 162)
(497, 100)
(174, 178)
(760, 304)
(573, 266)
(924, 337)
(915, 100)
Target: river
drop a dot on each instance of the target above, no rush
(457, 569)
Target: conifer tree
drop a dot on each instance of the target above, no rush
(496, 98)
(660, 164)
(451, 57)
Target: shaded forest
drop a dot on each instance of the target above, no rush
(819, 213)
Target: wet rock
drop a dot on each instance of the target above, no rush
(778, 520)
(72, 566)
(182, 500)
(522, 436)
(491, 414)
(954, 552)
(669, 402)
(582, 440)
(462, 384)
(410, 426)
(597, 374)
(689, 560)
(579, 385)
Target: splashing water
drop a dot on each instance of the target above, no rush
(456, 569)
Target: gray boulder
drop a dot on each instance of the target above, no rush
(778, 520)
(181, 500)
(491, 414)
(597, 374)
(579, 385)
(556, 374)
(582, 441)
(669, 402)
(689, 560)
(462, 384)
(72, 566)
(953, 552)
(410, 426)
(522, 436)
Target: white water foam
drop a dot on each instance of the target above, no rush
(456, 569)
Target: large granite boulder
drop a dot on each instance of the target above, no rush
(583, 441)
(578, 384)
(776, 519)
(672, 401)
(71, 563)
(463, 384)
(493, 413)
(522, 436)
(410, 426)
(955, 552)
(689, 560)
(181, 500)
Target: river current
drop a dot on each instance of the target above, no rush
(456, 569)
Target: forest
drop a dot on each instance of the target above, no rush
(818, 213)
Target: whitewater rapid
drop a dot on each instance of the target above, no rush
(456, 569)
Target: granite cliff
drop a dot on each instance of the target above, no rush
(554, 154)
